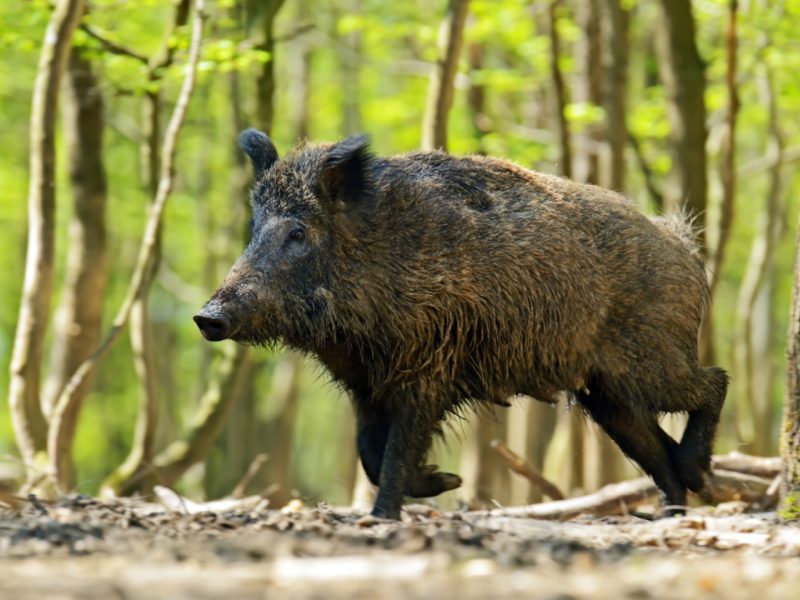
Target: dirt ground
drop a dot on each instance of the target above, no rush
(86, 548)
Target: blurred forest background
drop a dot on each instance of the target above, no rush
(674, 103)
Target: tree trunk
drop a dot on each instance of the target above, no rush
(541, 426)
(565, 155)
(486, 477)
(178, 457)
(441, 89)
(790, 426)
(349, 56)
(615, 88)
(476, 97)
(77, 322)
(26, 360)
(588, 85)
(728, 167)
(280, 431)
(681, 70)
(753, 415)
(265, 85)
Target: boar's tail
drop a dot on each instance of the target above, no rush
(681, 225)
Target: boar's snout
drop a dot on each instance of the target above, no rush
(213, 325)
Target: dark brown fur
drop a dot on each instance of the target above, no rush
(427, 282)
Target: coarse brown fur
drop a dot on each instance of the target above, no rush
(427, 282)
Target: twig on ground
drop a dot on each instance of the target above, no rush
(238, 491)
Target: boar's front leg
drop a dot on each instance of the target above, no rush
(374, 426)
(409, 435)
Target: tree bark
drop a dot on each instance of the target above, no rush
(441, 89)
(24, 398)
(61, 434)
(78, 319)
(565, 155)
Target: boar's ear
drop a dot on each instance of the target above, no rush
(344, 180)
(259, 148)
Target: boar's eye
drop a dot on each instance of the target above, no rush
(297, 234)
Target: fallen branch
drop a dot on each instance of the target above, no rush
(760, 466)
(614, 499)
(730, 485)
(59, 442)
(621, 498)
(518, 464)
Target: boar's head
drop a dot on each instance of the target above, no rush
(309, 210)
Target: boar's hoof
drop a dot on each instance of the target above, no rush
(214, 328)
(428, 484)
(674, 511)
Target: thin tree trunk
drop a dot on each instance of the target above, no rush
(173, 462)
(280, 431)
(442, 84)
(541, 426)
(61, 435)
(752, 419)
(349, 53)
(486, 477)
(476, 97)
(790, 425)
(300, 81)
(729, 152)
(588, 85)
(565, 155)
(24, 398)
(265, 84)
(681, 70)
(615, 88)
(78, 319)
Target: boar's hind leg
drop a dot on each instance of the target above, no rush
(641, 439)
(692, 457)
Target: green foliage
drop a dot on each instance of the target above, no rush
(791, 509)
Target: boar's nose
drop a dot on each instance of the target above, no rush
(213, 327)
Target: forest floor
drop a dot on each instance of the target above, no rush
(82, 548)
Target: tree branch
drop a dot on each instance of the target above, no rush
(110, 46)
